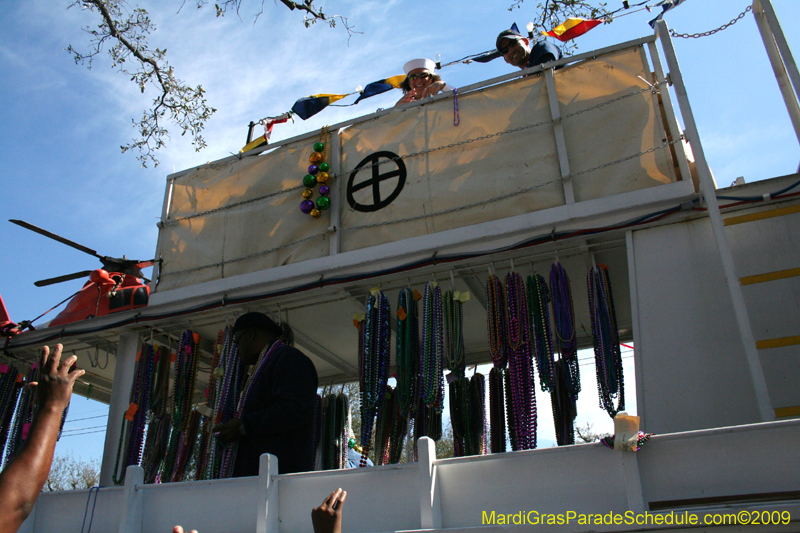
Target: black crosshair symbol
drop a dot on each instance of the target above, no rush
(374, 160)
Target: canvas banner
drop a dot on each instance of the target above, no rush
(239, 216)
(492, 153)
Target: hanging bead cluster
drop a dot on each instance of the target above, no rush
(374, 361)
(333, 431)
(407, 353)
(520, 364)
(158, 428)
(468, 415)
(538, 303)
(317, 174)
(498, 349)
(431, 352)
(23, 416)
(605, 337)
(454, 332)
(11, 384)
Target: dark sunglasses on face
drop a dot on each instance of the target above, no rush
(421, 75)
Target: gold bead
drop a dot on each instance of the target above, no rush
(323, 177)
(316, 158)
(315, 213)
(308, 193)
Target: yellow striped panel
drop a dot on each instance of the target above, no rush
(783, 412)
(731, 221)
(778, 343)
(770, 276)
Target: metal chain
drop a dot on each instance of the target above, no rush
(673, 33)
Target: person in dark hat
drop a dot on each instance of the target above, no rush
(276, 409)
(517, 50)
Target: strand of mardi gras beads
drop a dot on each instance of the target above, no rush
(605, 337)
(215, 378)
(407, 352)
(159, 425)
(187, 446)
(564, 407)
(317, 431)
(538, 303)
(383, 429)
(496, 321)
(459, 413)
(431, 353)
(512, 436)
(497, 410)
(375, 365)
(11, 387)
(229, 396)
(454, 333)
(564, 317)
(23, 415)
(399, 430)
(140, 396)
(520, 363)
(477, 407)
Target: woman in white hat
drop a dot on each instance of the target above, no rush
(421, 81)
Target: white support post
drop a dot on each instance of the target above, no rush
(267, 519)
(430, 505)
(130, 518)
(558, 130)
(780, 57)
(672, 125)
(633, 481)
(161, 227)
(715, 217)
(336, 191)
(120, 397)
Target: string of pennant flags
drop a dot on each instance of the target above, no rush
(572, 28)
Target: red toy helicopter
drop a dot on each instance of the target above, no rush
(118, 286)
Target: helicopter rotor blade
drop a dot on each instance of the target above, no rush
(66, 277)
(55, 237)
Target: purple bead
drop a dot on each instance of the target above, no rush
(324, 190)
(313, 169)
(306, 206)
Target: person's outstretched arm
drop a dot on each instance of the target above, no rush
(23, 479)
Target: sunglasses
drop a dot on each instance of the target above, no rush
(421, 76)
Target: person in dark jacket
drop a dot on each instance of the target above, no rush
(518, 51)
(276, 411)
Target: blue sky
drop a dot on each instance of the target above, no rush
(62, 124)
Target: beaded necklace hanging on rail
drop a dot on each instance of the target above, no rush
(431, 352)
(155, 446)
(460, 418)
(399, 431)
(225, 406)
(186, 358)
(383, 428)
(454, 331)
(564, 318)
(605, 337)
(10, 387)
(564, 406)
(131, 437)
(333, 434)
(498, 349)
(538, 303)
(23, 415)
(477, 406)
(374, 364)
(520, 363)
(407, 352)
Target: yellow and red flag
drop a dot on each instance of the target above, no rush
(572, 27)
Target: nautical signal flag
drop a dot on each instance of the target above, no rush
(309, 106)
(572, 27)
(381, 86)
(666, 5)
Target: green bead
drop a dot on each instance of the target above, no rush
(309, 181)
(323, 202)
(319, 147)
(351, 443)
(324, 167)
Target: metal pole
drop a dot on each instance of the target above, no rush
(709, 193)
(781, 61)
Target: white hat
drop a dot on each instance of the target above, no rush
(427, 64)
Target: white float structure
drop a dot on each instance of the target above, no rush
(582, 159)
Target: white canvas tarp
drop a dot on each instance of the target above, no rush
(414, 172)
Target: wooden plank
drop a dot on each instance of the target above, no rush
(778, 343)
